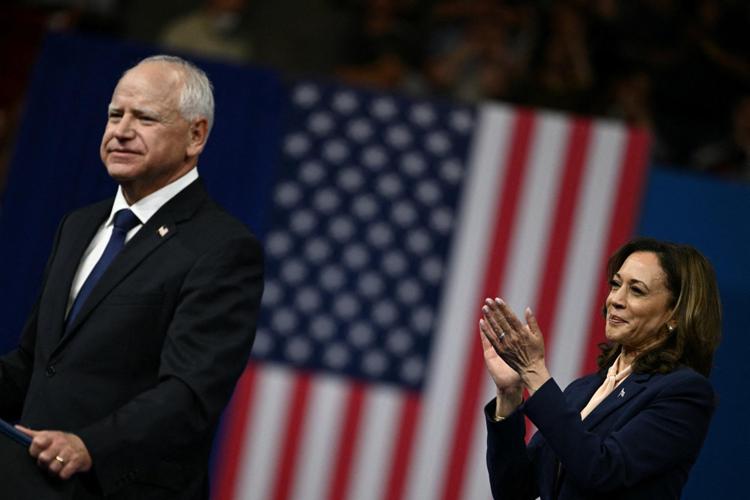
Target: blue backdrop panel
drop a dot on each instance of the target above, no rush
(712, 215)
(56, 165)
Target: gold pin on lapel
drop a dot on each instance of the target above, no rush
(163, 231)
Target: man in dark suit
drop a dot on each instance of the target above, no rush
(147, 312)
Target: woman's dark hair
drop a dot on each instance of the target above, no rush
(691, 282)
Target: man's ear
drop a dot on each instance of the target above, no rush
(198, 135)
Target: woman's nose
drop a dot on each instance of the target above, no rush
(615, 298)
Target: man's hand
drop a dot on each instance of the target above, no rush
(60, 453)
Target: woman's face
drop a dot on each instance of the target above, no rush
(638, 303)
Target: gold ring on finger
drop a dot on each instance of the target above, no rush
(60, 459)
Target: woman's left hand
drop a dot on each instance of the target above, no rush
(520, 346)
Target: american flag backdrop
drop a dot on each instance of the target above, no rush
(393, 218)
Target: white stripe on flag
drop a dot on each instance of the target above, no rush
(459, 303)
(477, 484)
(319, 437)
(534, 214)
(588, 244)
(261, 449)
(375, 444)
(526, 262)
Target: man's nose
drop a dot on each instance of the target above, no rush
(124, 128)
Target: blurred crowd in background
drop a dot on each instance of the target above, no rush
(680, 68)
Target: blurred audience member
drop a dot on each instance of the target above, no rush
(21, 33)
(729, 157)
(384, 46)
(214, 30)
(562, 76)
(631, 99)
(673, 67)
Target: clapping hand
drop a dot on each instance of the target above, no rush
(520, 347)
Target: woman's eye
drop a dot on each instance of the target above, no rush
(637, 291)
(614, 284)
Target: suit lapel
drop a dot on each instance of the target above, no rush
(623, 393)
(143, 243)
(158, 230)
(70, 254)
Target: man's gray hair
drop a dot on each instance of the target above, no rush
(197, 96)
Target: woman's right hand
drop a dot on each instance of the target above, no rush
(507, 380)
(502, 374)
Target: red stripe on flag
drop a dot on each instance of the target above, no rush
(561, 229)
(505, 218)
(559, 238)
(631, 184)
(348, 438)
(287, 465)
(230, 452)
(404, 448)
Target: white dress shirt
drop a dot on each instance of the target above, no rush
(144, 209)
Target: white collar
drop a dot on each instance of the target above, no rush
(146, 207)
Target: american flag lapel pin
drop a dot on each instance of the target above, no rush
(163, 231)
(622, 393)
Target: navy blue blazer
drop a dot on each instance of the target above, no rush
(640, 442)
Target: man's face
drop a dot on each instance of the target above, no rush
(147, 143)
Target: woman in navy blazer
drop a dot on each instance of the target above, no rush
(634, 429)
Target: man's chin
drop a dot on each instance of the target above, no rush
(121, 172)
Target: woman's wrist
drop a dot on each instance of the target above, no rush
(506, 402)
(535, 376)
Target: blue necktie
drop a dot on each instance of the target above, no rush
(124, 221)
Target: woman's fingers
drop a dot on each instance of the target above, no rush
(493, 322)
(497, 317)
(509, 316)
(489, 336)
(531, 321)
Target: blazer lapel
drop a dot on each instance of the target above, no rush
(582, 394)
(159, 229)
(627, 390)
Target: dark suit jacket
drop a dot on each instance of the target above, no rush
(639, 443)
(152, 358)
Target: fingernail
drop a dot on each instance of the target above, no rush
(528, 310)
(485, 309)
(499, 301)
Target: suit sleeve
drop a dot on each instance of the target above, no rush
(17, 366)
(669, 430)
(205, 351)
(509, 463)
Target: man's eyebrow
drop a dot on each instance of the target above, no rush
(136, 111)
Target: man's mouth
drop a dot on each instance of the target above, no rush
(122, 151)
